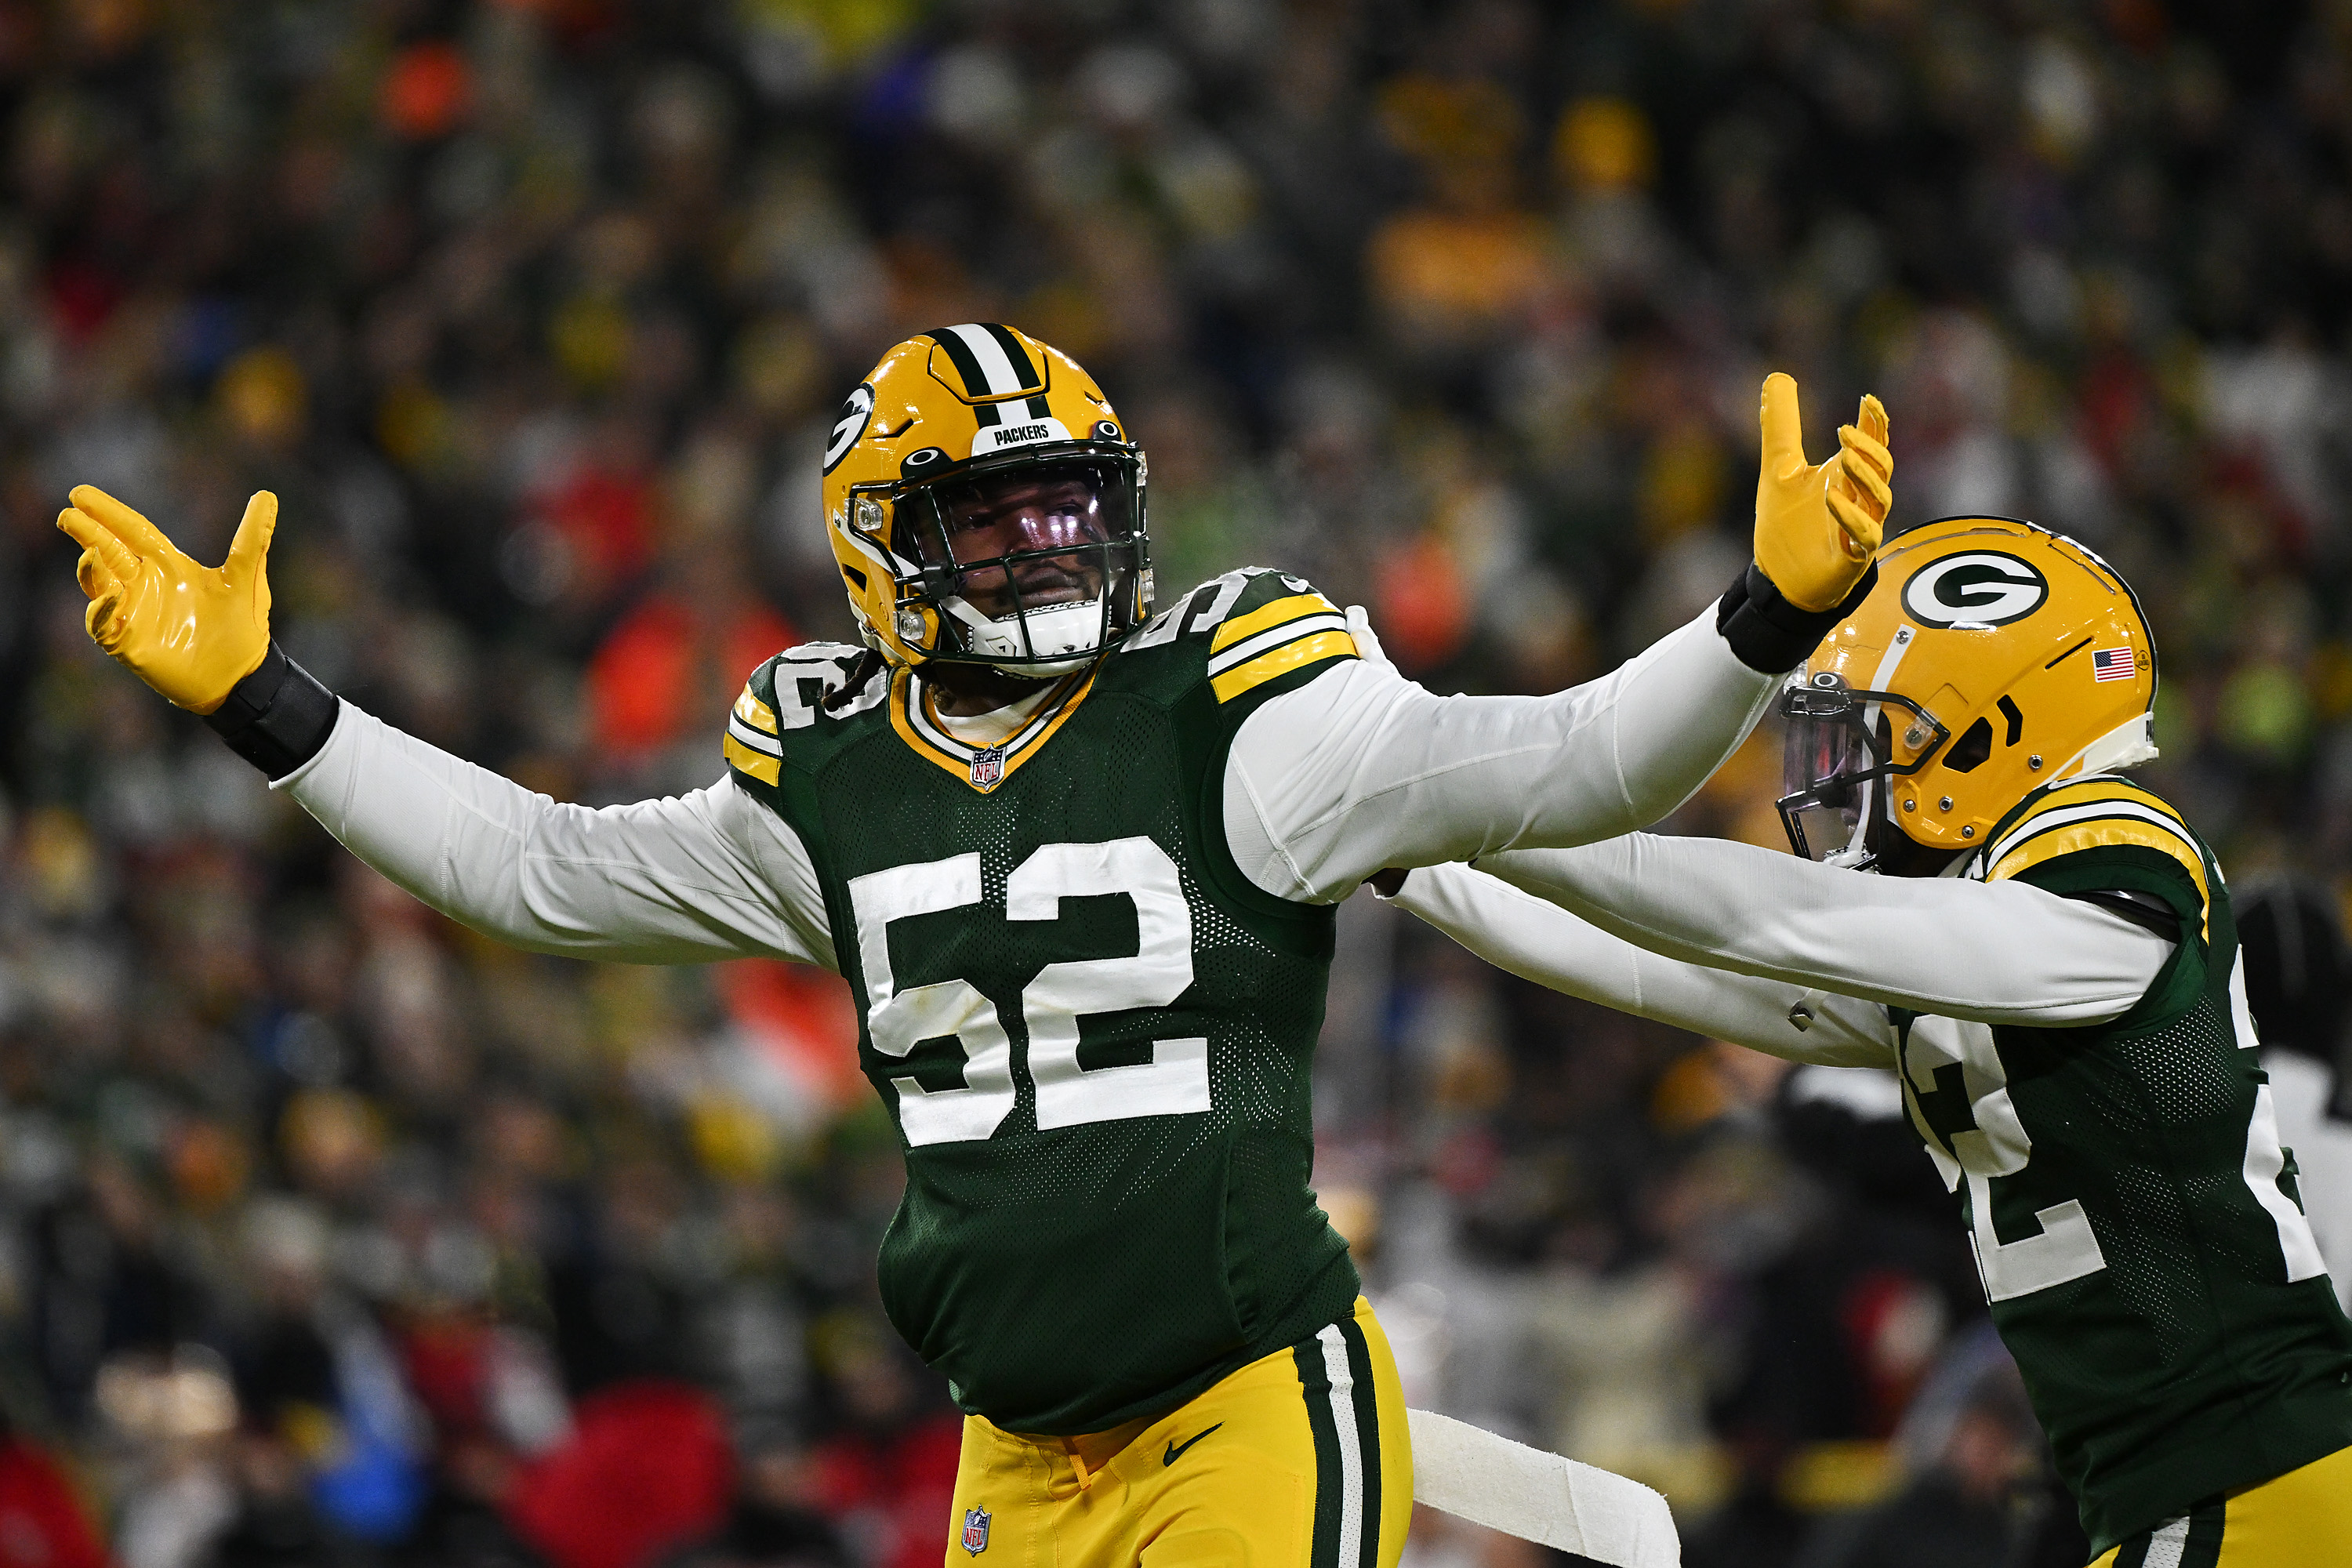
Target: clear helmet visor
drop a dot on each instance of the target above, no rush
(1829, 779)
(1837, 753)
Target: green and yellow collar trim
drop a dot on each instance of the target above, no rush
(981, 767)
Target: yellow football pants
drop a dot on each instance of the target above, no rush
(2300, 1520)
(1298, 1460)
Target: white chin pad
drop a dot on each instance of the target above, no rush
(1060, 638)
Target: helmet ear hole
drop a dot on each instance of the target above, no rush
(1970, 751)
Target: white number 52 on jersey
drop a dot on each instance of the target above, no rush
(1174, 1080)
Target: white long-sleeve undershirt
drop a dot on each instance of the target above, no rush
(1357, 770)
(1538, 940)
(1993, 953)
(1362, 769)
(691, 877)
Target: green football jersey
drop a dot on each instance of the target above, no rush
(1093, 1031)
(2137, 1224)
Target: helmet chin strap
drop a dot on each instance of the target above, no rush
(1856, 854)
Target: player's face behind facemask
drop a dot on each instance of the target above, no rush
(1027, 561)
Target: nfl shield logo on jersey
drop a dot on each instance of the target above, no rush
(975, 1520)
(987, 768)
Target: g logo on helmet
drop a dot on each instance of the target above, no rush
(1977, 588)
(847, 430)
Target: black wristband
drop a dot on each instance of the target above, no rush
(1771, 636)
(277, 717)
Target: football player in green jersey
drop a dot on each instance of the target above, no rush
(2048, 962)
(1078, 862)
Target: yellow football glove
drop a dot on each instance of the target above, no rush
(1817, 524)
(190, 632)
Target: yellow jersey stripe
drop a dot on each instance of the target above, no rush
(766, 745)
(1248, 649)
(2074, 799)
(1273, 615)
(1282, 661)
(2107, 789)
(2107, 832)
(755, 714)
(744, 760)
(2089, 811)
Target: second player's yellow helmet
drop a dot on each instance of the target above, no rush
(986, 505)
(1993, 657)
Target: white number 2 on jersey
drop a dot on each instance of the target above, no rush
(1176, 1078)
(1996, 1146)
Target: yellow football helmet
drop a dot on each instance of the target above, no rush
(1993, 657)
(985, 505)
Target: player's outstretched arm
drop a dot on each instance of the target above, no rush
(685, 880)
(1995, 953)
(702, 876)
(1363, 768)
(1538, 940)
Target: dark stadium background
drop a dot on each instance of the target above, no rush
(330, 1234)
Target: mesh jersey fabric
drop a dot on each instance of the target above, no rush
(2184, 1344)
(1068, 1277)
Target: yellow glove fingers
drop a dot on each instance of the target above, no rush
(93, 538)
(1862, 532)
(1817, 525)
(96, 577)
(1868, 449)
(247, 566)
(1872, 420)
(1864, 480)
(248, 552)
(102, 619)
(144, 537)
(1782, 425)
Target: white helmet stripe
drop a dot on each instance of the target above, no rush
(995, 364)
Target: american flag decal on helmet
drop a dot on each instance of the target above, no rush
(975, 1531)
(2112, 664)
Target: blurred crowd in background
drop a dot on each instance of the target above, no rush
(330, 1234)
